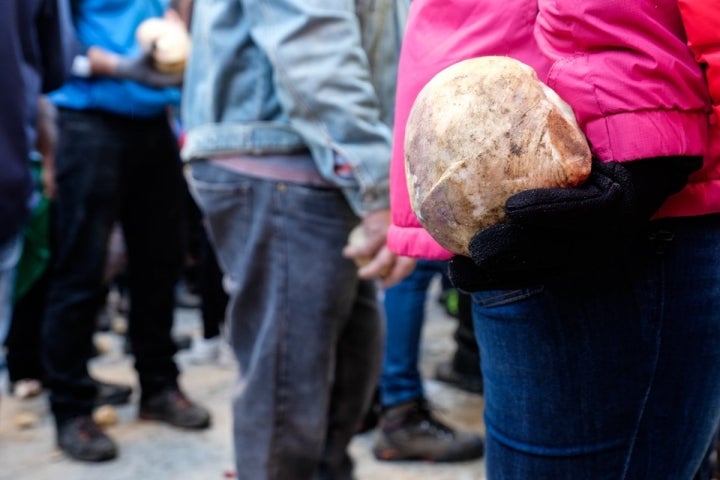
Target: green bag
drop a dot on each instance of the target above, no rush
(35, 256)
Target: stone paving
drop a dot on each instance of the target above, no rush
(156, 452)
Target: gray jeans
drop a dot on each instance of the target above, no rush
(306, 331)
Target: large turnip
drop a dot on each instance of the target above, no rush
(480, 131)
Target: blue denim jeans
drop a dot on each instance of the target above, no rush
(306, 331)
(112, 168)
(405, 315)
(613, 374)
(9, 256)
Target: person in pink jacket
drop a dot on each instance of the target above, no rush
(596, 308)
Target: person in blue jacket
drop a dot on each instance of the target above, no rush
(117, 160)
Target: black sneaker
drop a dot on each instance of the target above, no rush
(470, 383)
(173, 407)
(112, 394)
(83, 439)
(410, 432)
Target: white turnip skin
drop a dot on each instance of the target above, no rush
(167, 40)
(480, 131)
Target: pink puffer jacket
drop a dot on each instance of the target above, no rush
(624, 67)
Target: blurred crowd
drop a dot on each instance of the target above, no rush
(248, 159)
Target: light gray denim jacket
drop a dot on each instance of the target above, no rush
(277, 76)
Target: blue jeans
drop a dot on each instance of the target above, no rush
(306, 331)
(9, 256)
(112, 168)
(612, 374)
(405, 315)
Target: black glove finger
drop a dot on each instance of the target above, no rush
(467, 276)
(147, 59)
(162, 79)
(587, 206)
(500, 247)
(518, 248)
(142, 69)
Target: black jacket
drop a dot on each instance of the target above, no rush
(36, 50)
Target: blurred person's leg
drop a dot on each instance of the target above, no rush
(22, 344)
(152, 221)
(404, 312)
(89, 171)
(408, 429)
(214, 297)
(357, 367)
(448, 297)
(188, 294)
(9, 256)
(305, 329)
(24, 340)
(89, 195)
(209, 347)
(463, 369)
(466, 359)
(404, 305)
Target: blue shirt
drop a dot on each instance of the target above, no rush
(111, 25)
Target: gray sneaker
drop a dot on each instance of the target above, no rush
(409, 431)
(173, 407)
(83, 439)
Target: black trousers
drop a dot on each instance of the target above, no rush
(23, 343)
(112, 168)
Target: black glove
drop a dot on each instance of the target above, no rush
(550, 231)
(141, 69)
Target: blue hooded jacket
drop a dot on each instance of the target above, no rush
(35, 54)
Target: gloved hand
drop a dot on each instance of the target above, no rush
(554, 230)
(142, 70)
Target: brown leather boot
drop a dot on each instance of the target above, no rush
(409, 431)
